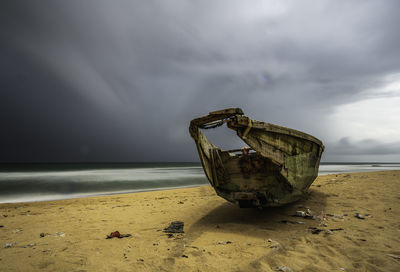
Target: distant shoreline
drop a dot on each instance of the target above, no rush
(66, 197)
(44, 182)
(43, 198)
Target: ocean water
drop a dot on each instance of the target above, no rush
(38, 182)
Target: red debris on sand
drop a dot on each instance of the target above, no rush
(117, 235)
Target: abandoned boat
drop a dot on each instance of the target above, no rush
(277, 169)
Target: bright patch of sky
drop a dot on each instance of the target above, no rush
(375, 117)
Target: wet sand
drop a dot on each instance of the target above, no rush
(218, 236)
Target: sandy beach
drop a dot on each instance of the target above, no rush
(355, 227)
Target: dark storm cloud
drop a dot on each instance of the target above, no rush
(120, 81)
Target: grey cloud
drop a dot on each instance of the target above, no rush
(120, 81)
(364, 150)
(364, 147)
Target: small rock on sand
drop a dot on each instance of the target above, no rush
(175, 227)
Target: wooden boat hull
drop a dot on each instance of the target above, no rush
(282, 168)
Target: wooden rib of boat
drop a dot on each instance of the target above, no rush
(282, 166)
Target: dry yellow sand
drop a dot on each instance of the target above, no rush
(218, 235)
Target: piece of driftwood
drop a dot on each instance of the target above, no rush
(281, 169)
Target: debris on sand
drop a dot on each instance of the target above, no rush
(359, 216)
(394, 256)
(116, 234)
(274, 244)
(59, 234)
(224, 243)
(30, 245)
(283, 268)
(8, 245)
(304, 214)
(315, 230)
(175, 227)
(338, 229)
(335, 216)
(291, 222)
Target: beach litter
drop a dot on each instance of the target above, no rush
(335, 216)
(283, 268)
(175, 227)
(57, 234)
(360, 216)
(315, 230)
(394, 256)
(117, 234)
(224, 243)
(274, 244)
(8, 245)
(60, 234)
(304, 214)
(30, 245)
(291, 222)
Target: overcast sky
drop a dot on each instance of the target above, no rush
(120, 80)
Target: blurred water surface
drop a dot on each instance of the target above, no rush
(38, 182)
